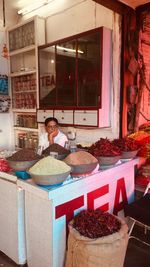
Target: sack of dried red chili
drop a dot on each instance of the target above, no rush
(105, 245)
(95, 223)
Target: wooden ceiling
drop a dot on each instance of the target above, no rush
(134, 3)
(18, 4)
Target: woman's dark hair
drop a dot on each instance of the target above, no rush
(50, 119)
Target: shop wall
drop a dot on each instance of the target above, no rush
(10, 14)
(65, 18)
(78, 18)
(144, 49)
(5, 118)
(11, 18)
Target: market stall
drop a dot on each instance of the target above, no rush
(48, 209)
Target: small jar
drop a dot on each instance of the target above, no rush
(30, 143)
(39, 150)
(20, 141)
(73, 148)
(66, 145)
(35, 143)
(25, 141)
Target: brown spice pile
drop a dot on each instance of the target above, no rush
(55, 148)
(80, 157)
(25, 154)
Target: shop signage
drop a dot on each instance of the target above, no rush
(67, 209)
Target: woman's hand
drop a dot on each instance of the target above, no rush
(52, 135)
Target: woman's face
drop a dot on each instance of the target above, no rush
(51, 127)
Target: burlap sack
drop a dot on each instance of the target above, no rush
(106, 251)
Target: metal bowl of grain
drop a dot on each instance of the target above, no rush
(49, 171)
(49, 179)
(81, 169)
(23, 159)
(81, 162)
(108, 160)
(21, 165)
(129, 154)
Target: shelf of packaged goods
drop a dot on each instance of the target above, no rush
(17, 128)
(22, 50)
(24, 110)
(21, 73)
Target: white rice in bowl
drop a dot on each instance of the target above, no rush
(49, 166)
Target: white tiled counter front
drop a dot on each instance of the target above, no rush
(48, 210)
(12, 224)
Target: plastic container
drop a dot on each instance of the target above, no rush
(22, 175)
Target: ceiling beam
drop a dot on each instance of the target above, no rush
(115, 5)
(142, 8)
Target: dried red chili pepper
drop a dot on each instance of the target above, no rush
(126, 144)
(104, 147)
(95, 223)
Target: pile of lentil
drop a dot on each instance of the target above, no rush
(80, 157)
(55, 148)
(25, 154)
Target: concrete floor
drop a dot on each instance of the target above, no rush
(138, 255)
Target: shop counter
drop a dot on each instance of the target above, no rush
(48, 209)
(12, 224)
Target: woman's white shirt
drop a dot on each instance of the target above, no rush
(60, 139)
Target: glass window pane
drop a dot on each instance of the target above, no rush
(66, 73)
(89, 70)
(47, 77)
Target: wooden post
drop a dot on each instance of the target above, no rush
(138, 105)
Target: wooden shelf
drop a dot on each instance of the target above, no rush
(17, 128)
(22, 23)
(21, 73)
(24, 110)
(23, 55)
(26, 91)
(22, 50)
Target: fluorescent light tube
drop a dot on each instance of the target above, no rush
(68, 49)
(33, 7)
